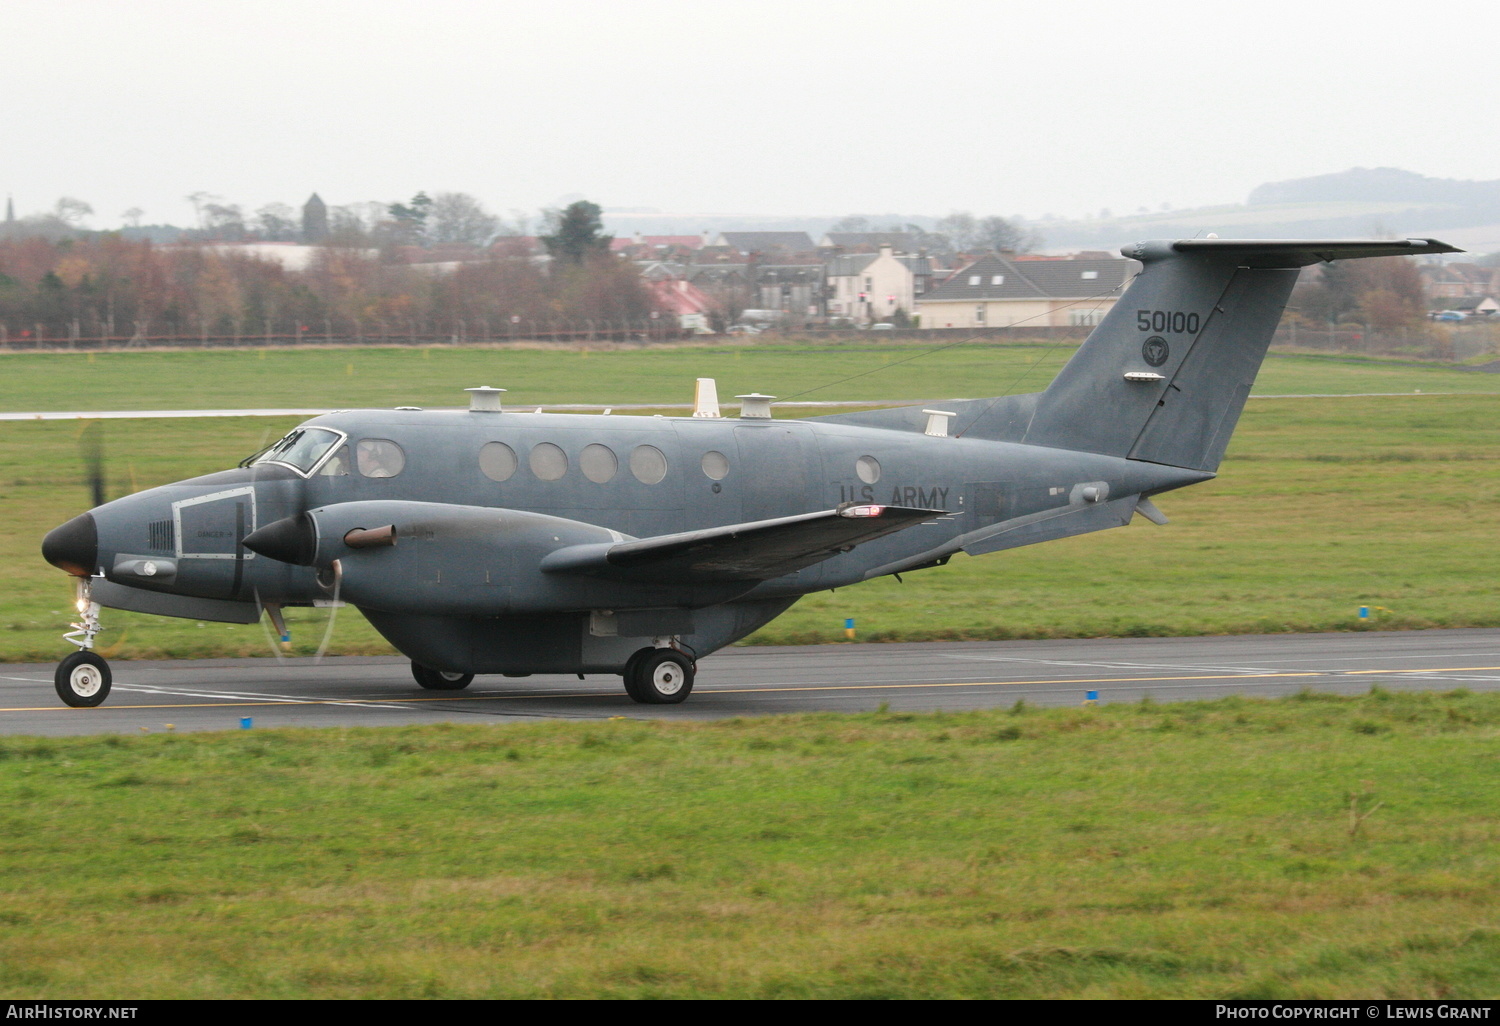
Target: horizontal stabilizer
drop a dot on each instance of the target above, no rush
(1301, 252)
(757, 551)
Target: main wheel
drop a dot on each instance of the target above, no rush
(440, 680)
(629, 673)
(659, 676)
(82, 679)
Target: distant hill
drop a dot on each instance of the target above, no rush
(1357, 202)
(1380, 185)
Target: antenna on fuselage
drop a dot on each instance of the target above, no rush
(485, 399)
(706, 398)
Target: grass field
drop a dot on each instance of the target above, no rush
(1307, 847)
(1323, 506)
(340, 378)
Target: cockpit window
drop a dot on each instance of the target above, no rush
(379, 457)
(302, 448)
(337, 465)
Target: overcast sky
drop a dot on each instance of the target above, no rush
(765, 107)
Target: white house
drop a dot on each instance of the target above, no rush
(873, 286)
(996, 292)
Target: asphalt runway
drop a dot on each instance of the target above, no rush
(216, 694)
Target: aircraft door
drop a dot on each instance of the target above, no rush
(211, 533)
(714, 480)
(775, 463)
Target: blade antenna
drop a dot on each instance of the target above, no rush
(265, 628)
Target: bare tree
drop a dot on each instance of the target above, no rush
(71, 211)
(223, 221)
(198, 199)
(966, 233)
(1000, 234)
(459, 217)
(277, 222)
(852, 223)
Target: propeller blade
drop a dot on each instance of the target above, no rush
(91, 448)
(338, 583)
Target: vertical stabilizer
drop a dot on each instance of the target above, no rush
(1164, 376)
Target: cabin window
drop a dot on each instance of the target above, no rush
(716, 465)
(379, 457)
(648, 464)
(548, 462)
(337, 465)
(498, 461)
(868, 469)
(598, 463)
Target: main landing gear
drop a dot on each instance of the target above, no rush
(659, 676)
(440, 680)
(83, 678)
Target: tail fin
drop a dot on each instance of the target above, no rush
(1164, 376)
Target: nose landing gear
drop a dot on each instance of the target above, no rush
(83, 678)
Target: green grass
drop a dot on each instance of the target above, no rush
(435, 376)
(1136, 851)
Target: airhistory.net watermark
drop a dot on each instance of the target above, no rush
(42, 1010)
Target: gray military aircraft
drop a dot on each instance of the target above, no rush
(483, 541)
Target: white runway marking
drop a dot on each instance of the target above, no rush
(246, 696)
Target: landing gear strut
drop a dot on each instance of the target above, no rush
(83, 678)
(659, 676)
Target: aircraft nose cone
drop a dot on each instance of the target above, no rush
(74, 546)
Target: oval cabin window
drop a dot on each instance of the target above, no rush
(598, 463)
(498, 461)
(548, 462)
(379, 457)
(648, 464)
(716, 465)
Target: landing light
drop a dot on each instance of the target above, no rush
(863, 511)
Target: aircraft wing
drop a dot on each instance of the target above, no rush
(756, 551)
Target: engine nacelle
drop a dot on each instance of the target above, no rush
(438, 558)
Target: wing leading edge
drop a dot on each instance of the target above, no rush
(757, 551)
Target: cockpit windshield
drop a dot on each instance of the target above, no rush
(302, 449)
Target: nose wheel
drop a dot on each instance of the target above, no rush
(83, 678)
